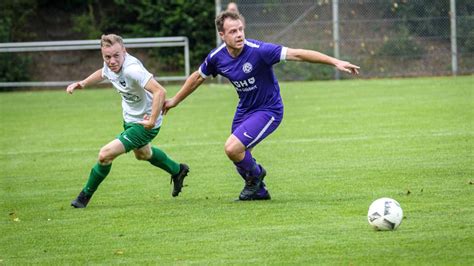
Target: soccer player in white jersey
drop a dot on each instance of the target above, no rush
(142, 101)
(248, 65)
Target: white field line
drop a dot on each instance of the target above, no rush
(285, 141)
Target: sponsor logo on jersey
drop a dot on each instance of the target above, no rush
(130, 97)
(247, 67)
(245, 85)
(123, 83)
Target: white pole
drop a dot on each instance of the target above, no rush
(218, 38)
(187, 67)
(335, 31)
(218, 10)
(454, 47)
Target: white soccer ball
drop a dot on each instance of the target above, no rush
(385, 214)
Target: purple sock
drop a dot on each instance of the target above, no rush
(240, 171)
(248, 166)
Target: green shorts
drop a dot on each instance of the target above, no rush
(136, 136)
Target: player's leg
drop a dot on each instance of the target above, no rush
(241, 157)
(157, 157)
(99, 172)
(138, 138)
(246, 134)
(252, 173)
(160, 159)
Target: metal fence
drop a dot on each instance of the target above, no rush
(387, 38)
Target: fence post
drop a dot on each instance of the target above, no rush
(335, 32)
(454, 48)
(218, 10)
(218, 38)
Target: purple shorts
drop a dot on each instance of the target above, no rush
(253, 128)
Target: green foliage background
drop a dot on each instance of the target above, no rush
(13, 16)
(20, 20)
(408, 10)
(24, 20)
(148, 18)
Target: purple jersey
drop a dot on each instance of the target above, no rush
(251, 73)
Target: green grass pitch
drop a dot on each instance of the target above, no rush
(340, 146)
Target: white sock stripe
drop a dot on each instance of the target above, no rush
(263, 131)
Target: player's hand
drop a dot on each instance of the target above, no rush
(146, 122)
(169, 103)
(76, 85)
(347, 67)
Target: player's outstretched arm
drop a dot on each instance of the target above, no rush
(190, 85)
(317, 57)
(94, 78)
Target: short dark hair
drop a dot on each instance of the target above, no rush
(225, 15)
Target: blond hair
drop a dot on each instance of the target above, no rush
(108, 40)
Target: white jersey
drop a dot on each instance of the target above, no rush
(130, 83)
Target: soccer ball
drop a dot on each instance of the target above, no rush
(385, 214)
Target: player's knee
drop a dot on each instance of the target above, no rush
(142, 156)
(105, 157)
(231, 150)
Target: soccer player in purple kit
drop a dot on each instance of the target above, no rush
(248, 65)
